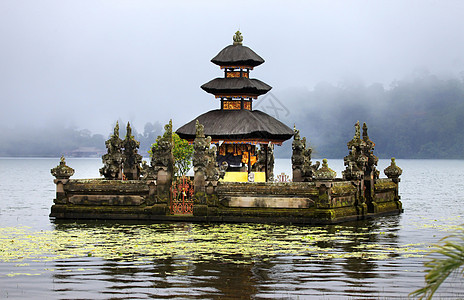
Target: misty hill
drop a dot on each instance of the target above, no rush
(420, 117)
(54, 141)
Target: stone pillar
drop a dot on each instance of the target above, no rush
(297, 157)
(62, 173)
(394, 172)
(151, 192)
(200, 162)
(370, 172)
(324, 199)
(324, 180)
(163, 186)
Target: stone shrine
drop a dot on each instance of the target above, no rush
(225, 145)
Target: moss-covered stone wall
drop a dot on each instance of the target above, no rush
(291, 202)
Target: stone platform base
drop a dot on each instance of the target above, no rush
(294, 202)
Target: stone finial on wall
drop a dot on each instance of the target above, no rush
(112, 161)
(393, 171)
(324, 173)
(62, 171)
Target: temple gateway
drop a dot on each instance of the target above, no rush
(235, 128)
(233, 166)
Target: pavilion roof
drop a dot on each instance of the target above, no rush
(238, 125)
(236, 86)
(237, 55)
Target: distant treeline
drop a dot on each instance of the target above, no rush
(54, 141)
(420, 117)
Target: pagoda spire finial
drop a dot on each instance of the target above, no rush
(238, 38)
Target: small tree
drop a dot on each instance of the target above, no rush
(182, 152)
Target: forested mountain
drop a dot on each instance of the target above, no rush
(419, 117)
(53, 141)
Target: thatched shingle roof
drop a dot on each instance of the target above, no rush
(238, 125)
(236, 86)
(237, 55)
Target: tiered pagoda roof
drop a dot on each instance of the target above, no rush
(222, 87)
(236, 121)
(238, 126)
(237, 55)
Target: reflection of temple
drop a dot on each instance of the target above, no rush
(236, 128)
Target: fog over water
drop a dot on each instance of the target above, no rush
(88, 63)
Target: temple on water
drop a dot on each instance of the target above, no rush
(233, 179)
(235, 128)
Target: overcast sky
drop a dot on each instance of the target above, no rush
(88, 63)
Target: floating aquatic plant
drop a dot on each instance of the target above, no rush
(231, 243)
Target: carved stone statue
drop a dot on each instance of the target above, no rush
(162, 164)
(200, 146)
(131, 159)
(355, 163)
(222, 169)
(212, 168)
(162, 158)
(361, 161)
(205, 166)
(303, 169)
(112, 161)
(146, 171)
(260, 165)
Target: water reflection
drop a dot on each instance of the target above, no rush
(220, 260)
(313, 265)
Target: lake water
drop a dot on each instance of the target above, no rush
(380, 259)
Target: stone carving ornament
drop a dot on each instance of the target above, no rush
(62, 171)
(261, 162)
(204, 157)
(112, 161)
(393, 171)
(361, 160)
(162, 158)
(131, 159)
(303, 169)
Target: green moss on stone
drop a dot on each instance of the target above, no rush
(340, 190)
